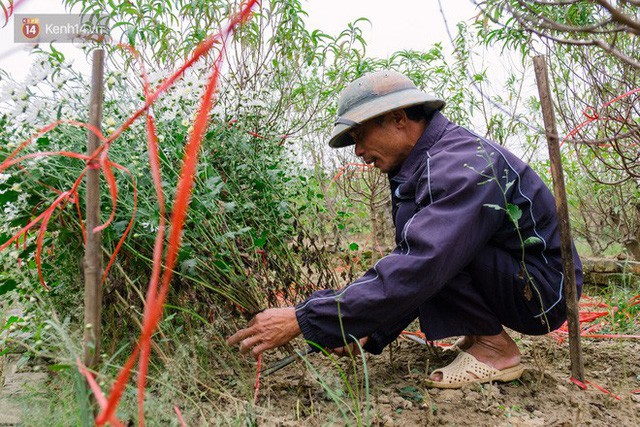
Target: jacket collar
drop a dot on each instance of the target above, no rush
(429, 137)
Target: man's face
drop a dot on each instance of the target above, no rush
(382, 142)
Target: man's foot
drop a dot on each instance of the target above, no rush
(464, 343)
(497, 351)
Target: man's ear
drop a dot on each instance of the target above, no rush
(399, 118)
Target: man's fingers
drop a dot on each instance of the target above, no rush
(343, 351)
(349, 349)
(260, 348)
(248, 343)
(239, 336)
(242, 333)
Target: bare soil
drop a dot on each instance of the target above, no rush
(398, 395)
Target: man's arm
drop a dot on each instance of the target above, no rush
(455, 222)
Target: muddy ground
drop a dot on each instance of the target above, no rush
(544, 396)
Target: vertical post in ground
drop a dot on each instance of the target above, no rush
(569, 288)
(93, 248)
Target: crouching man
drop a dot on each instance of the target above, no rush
(478, 246)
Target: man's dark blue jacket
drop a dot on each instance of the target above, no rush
(456, 197)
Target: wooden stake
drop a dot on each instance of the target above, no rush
(93, 252)
(569, 289)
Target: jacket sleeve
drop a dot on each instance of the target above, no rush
(452, 223)
(381, 338)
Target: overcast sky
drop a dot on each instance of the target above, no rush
(396, 25)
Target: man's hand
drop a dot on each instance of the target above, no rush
(269, 329)
(349, 350)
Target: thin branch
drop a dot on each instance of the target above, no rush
(621, 17)
(475, 85)
(599, 43)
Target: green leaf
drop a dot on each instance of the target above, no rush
(410, 393)
(496, 207)
(27, 251)
(42, 142)
(354, 246)
(120, 226)
(533, 240)
(188, 265)
(259, 241)
(229, 206)
(7, 286)
(10, 321)
(8, 196)
(58, 367)
(514, 213)
(222, 265)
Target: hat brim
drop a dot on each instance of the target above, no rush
(378, 106)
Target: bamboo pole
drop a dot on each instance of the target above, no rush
(93, 252)
(566, 247)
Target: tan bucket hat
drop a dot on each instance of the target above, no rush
(372, 95)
